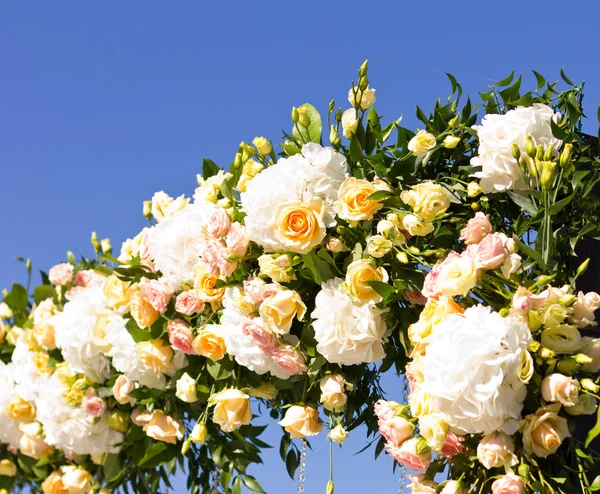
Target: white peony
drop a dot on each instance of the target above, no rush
(79, 336)
(241, 346)
(471, 370)
(347, 333)
(318, 171)
(72, 429)
(497, 134)
(124, 354)
(178, 241)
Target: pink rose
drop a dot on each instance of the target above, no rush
(61, 274)
(492, 250)
(214, 257)
(93, 404)
(258, 291)
(87, 276)
(236, 240)
(453, 446)
(407, 455)
(385, 410)
(430, 288)
(289, 360)
(334, 244)
(145, 257)
(396, 430)
(180, 336)
(414, 298)
(508, 484)
(74, 291)
(522, 301)
(477, 228)
(188, 303)
(266, 340)
(218, 223)
(157, 293)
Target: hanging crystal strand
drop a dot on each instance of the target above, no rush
(302, 468)
(404, 402)
(216, 481)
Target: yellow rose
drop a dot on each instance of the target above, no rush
(300, 226)
(264, 147)
(544, 431)
(54, 484)
(77, 480)
(266, 391)
(164, 205)
(353, 204)
(415, 225)
(427, 199)
(450, 142)
(349, 123)
(20, 409)
(209, 343)
(432, 314)
(142, 312)
(301, 421)
(277, 267)
(186, 389)
(8, 468)
(116, 292)
(422, 142)
(164, 428)
(279, 310)
(44, 334)
(204, 284)
(199, 433)
(155, 355)
(333, 392)
(357, 274)
(338, 434)
(232, 409)
(32, 443)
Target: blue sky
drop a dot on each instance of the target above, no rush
(104, 103)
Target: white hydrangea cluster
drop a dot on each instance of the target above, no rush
(178, 241)
(79, 333)
(9, 429)
(317, 172)
(497, 134)
(241, 346)
(472, 370)
(72, 429)
(347, 333)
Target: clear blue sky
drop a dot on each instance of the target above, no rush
(104, 103)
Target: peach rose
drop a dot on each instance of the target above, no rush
(508, 484)
(279, 310)
(289, 360)
(584, 307)
(204, 284)
(301, 421)
(77, 481)
(477, 228)
(20, 410)
(353, 203)
(122, 387)
(544, 431)
(54, 484)
(497, 450)
(61, 274)
(232, 409)
(189, 303)
(236, 240)
(334, 244)
(409, 454)
(333, 392)
(142, 312)
(358, 274)
(155, 355)
(180, 336)
(419, 485)
(218, 223)
(559, 388)
(300, 226)
(385, 409)
(32, 442)
(396, 430)
(209, 343)
(164, 428)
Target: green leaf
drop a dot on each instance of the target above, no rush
(17, 298)
(42, 292)
(154, 455)
(312, 133)
(290, 150)
(356, 152)
(111, 467)
(541, 80)
(380, 194)
(217, 371)
(565, 78)
(138, 334)
(558, 132)
(532, 253)
(237, 485)
(455, 85)
(593, 432)
(319, 268)
(384, 289)
(558, 206)
(507, 80)
(524, 202)
(595, 484)
(252, 484)
(421, 116)
(291, 463)
(209, 168)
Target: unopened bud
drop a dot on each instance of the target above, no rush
(567, 300)
(544, 279)
(533, 320)
(363, 84)
(534, 346)
(338, 115)
(453, 122)
(237, 161)
(295, 115)
(199, 433)
(529, 147)
(548, 174)
(590, 385)
(582, 358)
(119, 420)
(147, 209)
(363, 68)
(539, 152)
(516, 152)
(5, 292)
(331, 106)
(475, 206)
(303, 118)
(185, 446)
(96, 243)
(546, 353)
(524, 471)
(549, 153)
(414, 250)
(505, 311)
(567, 366)
(70, 257)
(334, 137)
(583, 267)
(28, 265)
(330, 487)
(105, 246)
(264, 147)
(565, 156)
(402, 257)
(474, 189)
(422, 446)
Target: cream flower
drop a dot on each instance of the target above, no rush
(358, 274)
(349, 122)
(301, 421)
(497, 450)
(427, 199)
(544, 431)
(421, 143)
(300, 226)
(353, 204)
(164, 206)
(186, 389)
(363, 98)
(416, 226)
(333, 392)
(232, 409)
(279, 310)
(164, 428)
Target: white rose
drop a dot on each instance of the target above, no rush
(416, 226)
(349, 122)
(421, 143)
(497, 134)
(562, 339)
(583, 309)
(497, 450)
(591, 347)
(164, 205)
(364, 98)
(564, 389)
(186, 389)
